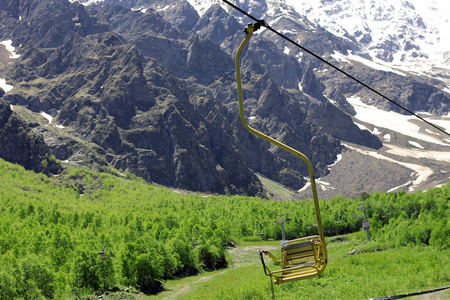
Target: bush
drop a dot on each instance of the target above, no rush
(36, 277)
(440, 236)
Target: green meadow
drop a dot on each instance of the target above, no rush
(363, 275)
(84, 232)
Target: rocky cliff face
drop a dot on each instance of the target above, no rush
(18, 144)
(154, 93)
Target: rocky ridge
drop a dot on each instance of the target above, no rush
(15, 134)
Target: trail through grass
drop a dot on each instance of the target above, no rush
(367, 273)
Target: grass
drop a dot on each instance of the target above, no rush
(368, 273)
(29, 116)
(277, 191)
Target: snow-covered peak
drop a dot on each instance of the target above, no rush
(388, 29)
(201, 6)
(407, 33)
(436, 13)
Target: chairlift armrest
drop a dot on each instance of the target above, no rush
(292, 269)
(271, 256)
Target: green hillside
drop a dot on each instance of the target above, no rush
(83, 231)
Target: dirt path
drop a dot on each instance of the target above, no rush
(248, 253)
(241, 256)
(187, 287)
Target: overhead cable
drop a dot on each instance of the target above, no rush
(410, 294)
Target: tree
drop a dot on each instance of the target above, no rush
(84, 270)
(440, 236)
(36, 277)
(127, 262)
(147, 275)
(7, 286)
(105, 271)
(141, 268)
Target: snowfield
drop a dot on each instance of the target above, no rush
(402, 124)
(398, 122)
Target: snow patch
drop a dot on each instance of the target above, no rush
(324, 185)
(287, 31)
(375, 131)
(431, 132)
(89, 2)
(50, 119)
(306, 186)
(47, 116)
(10, 49)
(6, 87)
(446, 89)
(422, 173)
(399, 187)
(416, 153)
(415, 144)
(331, 101)
(376, 64)
(387, 137)
(338, 159)
(201, 6)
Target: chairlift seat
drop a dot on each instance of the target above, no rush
(300, 259)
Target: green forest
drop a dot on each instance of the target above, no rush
(84, 231)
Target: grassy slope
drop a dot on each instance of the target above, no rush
(367, 274)
(275, 191)
(359, 276)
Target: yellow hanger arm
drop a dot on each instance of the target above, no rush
(249, 30)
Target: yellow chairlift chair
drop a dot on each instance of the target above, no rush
(300, 258)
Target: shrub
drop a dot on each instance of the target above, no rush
(440, 236)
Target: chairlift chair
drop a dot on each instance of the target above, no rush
(301, 258)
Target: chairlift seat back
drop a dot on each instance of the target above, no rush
(300, 259)
(296, 253)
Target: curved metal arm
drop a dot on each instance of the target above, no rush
(249, 30)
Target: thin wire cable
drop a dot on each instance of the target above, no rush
(264, 24)
(410, 294)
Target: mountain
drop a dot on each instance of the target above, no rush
(148, 87)
(410, 159)
(127, 89)
(410, 35)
